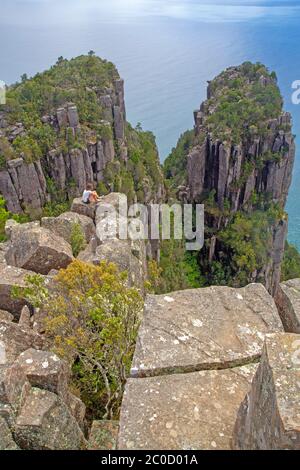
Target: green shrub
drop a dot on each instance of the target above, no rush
(78, 242)
(290, 268)
(91, 320)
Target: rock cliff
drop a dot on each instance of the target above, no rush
(239, 164)
(76, 133)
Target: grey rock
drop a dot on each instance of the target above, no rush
(89, 210)
(6, 438)
(64, 223)
(208, 328)
(73, 116)
(45, 423)
(11, 277)
(269, 418)
(37, 249)
(195, 411)
(288, 303)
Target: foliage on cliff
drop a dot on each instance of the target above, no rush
(91, 318)
(290, 268)
(141, 175)
(177, 270)
(32, 106)
(242, 100)
(175, 163)
(244, 113)
(5, 216)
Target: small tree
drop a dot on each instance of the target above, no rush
(78, 242)
(91, 53)
(91, 318)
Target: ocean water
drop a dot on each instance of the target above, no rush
(166, 50)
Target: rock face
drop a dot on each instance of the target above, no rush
(64, 223)
(20, 195)
(237, 167)
(69, 170)
(37, 249)
(198, 329)
(269, 415)
(288, 303)
(37, 411)
(196, 355)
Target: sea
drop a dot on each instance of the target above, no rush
(166, 50)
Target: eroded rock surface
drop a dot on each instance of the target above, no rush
(10, 277)
(194, 411)
(288, 303)
(269, 416)
(215, 327)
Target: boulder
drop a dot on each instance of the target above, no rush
(77, 408)
(37, 249)
(88, 255)
(64, 223)
(3, 250)
(14, 340)
(103, 435)
(44, 370)
(10, 277)
(89, 210)
(46, 423)
(14, 388)
(288, 303)
(6, 316)
(25, 317)
(6, 439)
(269, 417)
(194, 411)
(210, 328)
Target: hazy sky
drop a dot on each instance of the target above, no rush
(117, 10)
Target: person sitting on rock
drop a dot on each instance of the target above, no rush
(90, 196)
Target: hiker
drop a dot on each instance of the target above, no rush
(89, 195)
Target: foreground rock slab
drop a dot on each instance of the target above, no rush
(288, 303)
(211, 328)
(269, 417)
(183, 411)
